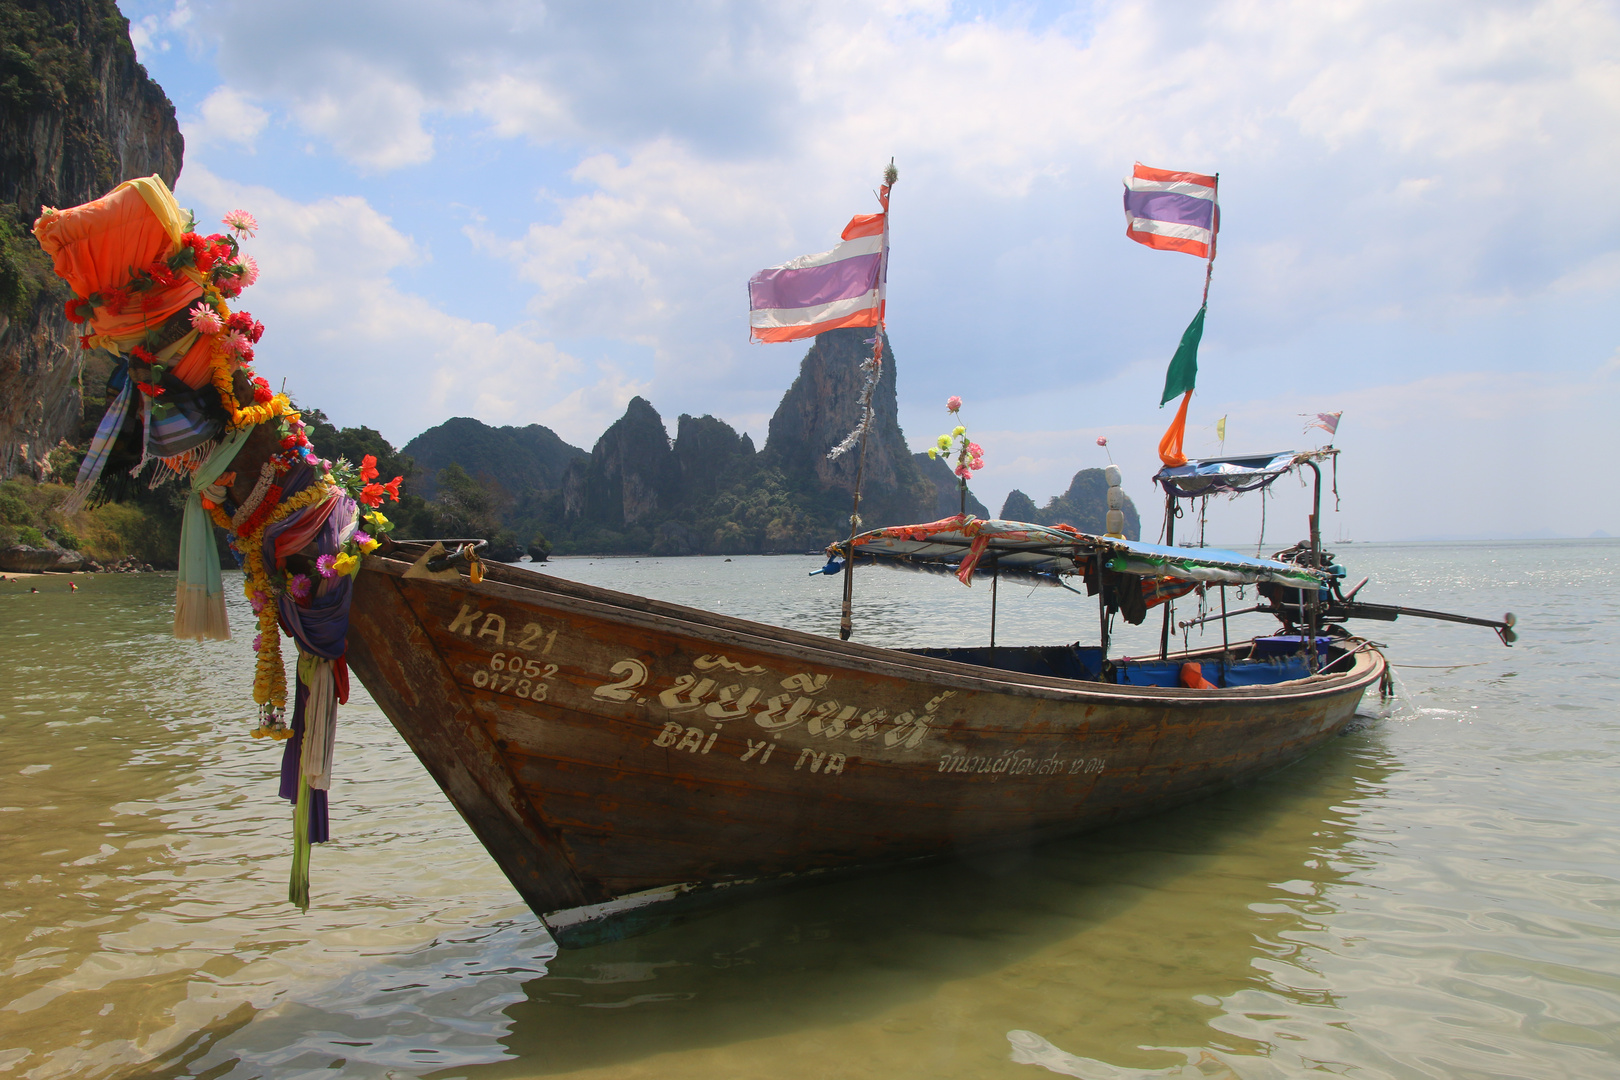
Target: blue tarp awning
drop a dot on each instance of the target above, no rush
(1229, 475)
(1053, 551)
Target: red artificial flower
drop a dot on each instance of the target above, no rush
(368, 469)
(161, 274)
(148, 389)
(372, 494)
(262, 392)
(113, 299)
(289, 442)
(84, 341)
(71, 310)
(201, 252)
(143, 354)
(392, 487)
(245, 324)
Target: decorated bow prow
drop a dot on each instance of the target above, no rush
(148, 288)
(843, 287)
(1176, 211)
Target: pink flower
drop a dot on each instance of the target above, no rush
(1102, 440)
(324, 565)
(205, 320)
(236, 343)
(258, 600)
(241, 223)
(975, 450)
(250, 270)
(258, 642)
(962, 471)
(298, 587)
(953, 404)
(361, 538)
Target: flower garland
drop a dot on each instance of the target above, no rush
(224, 271)
(270, 676)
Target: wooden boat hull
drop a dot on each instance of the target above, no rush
(624, 760)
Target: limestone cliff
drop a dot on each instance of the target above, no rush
(821, 407)
(631, 475)
(1084, 505)
(78, 115)
(523, 459)
(947, 491)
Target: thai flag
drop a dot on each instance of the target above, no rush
(841, 287)
(1172, 210)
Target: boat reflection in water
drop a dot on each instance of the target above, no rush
(1084, 941)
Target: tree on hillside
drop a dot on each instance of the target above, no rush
(354, 443)
(463, 507)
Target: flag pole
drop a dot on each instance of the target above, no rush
(1181, 417)
(846, 625)
(1214, 238)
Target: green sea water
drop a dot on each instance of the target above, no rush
(1434, 894)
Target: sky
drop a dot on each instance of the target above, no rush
(529, 213)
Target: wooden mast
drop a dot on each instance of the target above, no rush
(846, 625)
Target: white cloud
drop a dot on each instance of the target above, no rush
(349, 341)
(227, 116)
(150, 32)
(1401, 184)
(369, 118)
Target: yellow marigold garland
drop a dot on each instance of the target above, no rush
(270, 676)
(223, 371)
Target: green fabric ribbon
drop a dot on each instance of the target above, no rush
(199, 556)
(1183, 370)
(298, 883)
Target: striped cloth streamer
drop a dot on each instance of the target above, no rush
(1175, 211)
(813, 293)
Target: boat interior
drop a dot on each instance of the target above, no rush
(1263, 661)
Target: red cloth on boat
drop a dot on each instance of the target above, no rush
(306, 523)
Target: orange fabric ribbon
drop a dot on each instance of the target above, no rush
(1170, 446)
(98, 247)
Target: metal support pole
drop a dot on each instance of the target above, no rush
(1169, 541)
(1314, 608)
(1102, 615)
(845, 625)
(995, 580)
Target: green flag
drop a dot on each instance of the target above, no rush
(1183, 371)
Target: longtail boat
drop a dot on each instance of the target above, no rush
(627, 761)
(624, 760)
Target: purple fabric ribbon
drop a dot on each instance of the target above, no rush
(320, 826)
(321, 628)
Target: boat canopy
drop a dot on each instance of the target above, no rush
(969, 545)
(1232, 475)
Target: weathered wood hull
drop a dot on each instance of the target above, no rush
(622, 759)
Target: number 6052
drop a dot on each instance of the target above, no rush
(517, 665)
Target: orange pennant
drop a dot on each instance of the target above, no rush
(1170, 446)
